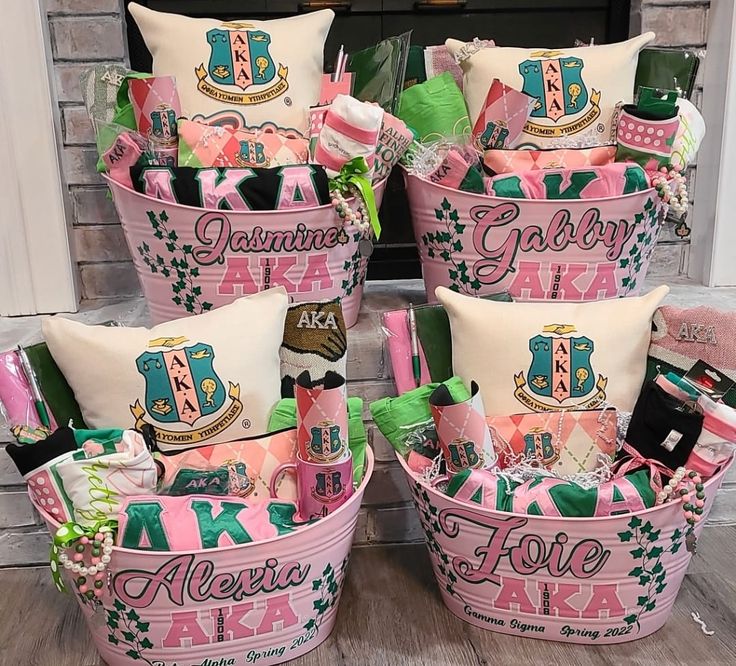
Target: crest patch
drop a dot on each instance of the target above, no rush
(557, 85)
(560, 374)
(240, 60)
(185, 399)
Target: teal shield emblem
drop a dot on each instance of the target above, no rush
(557, 84)
(329, 486)
(181, 384)
(326, 443)
(240, 57)
(163, 124)
(463, 454)
(539, 445)
(494, 136)
(560, 367)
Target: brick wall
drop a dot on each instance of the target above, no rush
(91, 31)
(677, 23)
(86, 32)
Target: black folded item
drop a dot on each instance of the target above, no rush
(276, 188)
(662, 427)
(29, 457)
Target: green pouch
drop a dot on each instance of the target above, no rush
(668, 69)
(54, 387)
(378, 71)
(433, 330)
(123, 119)
(284, 417)
(435, 109)
(397, 417)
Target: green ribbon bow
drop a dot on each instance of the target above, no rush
(67, 535)
(353, 173)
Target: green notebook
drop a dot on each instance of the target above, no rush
(56, 391)
(433, 331)
(667, 69)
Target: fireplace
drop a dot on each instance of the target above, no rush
(361, 23)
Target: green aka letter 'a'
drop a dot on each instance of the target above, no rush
(145, 517)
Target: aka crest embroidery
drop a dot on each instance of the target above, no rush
(560, 374)
(185, 399)
(560, 92)
(239, 61)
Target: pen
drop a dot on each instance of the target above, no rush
(43, 415)
(337, 74)
(415, 362)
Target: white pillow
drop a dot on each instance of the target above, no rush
(535, 357)
(277, 64)
(576, 113)
(209, 378)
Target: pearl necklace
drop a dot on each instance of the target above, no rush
(359, 218)
(693, 508)
(100, 547)
(676, 198)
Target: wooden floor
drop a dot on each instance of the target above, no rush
(391, 613)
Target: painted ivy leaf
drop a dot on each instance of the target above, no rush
(636, 571)
(146, 247)
(174, 262)
(195, 272)
(634, 249)
(661, 577)
(176, 300)
(183, 263)
(462, 266)
(448, 587)
(310, 625)
(163, 216)
(158, 235)
(113, 614)
(475, 284)
(452, 577)
(430, 252)
(459, 228)
(644, 579)
(159, 259)
(646, 527)
(657, 568)
(660, 588)
(649, 203)
(656, 551)
(189, 298)
(111, 638)
(457, 246)
(637, 552)
(453, 215)
(186, 249)
(641, 601)
(197, 291)
(454, 287)
(173, 236)
(638, 217)
(650, 606)
(142, 626)
(175, 288)
(112, 623)
(146, 644)
(446, 205)
(640, 237)
(624, 263)
(129, 636)
(445, 255)
(453, 275)
(133, 654)
(445, 236)
(654, 535)
(332, 587)
(439, 214)
(189, 307)
(153, 268)
(132, 615)
(675, 547)
(630, 619)
(170, 247)
(625, 536)
(464, 278)
(119, 605)
(327, 569)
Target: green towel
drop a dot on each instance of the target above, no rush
(284, 416)
(397, 418)
(435, 109)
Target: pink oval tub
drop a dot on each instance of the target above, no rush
(261, 603)
(568, 250)
(216, 256)
(579, 580)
